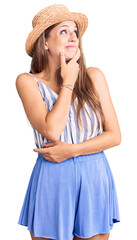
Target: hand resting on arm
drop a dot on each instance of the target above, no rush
(59, 151)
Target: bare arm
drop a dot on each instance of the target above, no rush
(49, 124)
(58, 116)
(111, 135)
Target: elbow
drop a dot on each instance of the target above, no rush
(51, 135)
(118, 139)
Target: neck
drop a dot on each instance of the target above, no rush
(49, 72)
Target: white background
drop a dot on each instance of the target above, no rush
(110, 43)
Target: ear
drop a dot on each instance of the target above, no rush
(46, 44)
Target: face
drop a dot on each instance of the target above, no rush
(63, 38)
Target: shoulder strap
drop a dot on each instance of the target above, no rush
(40, 86)
(33, 76)
(42, 91)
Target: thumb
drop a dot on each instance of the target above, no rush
(62, 58)
(49, 144)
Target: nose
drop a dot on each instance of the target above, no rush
(72, 36)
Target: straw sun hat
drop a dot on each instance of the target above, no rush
(50, 15)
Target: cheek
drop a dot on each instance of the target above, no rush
(69, 54)
(59, 43)
(60, 39)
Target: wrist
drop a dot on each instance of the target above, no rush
(69, 86)
(75, 150)
(68, 89)
(66, 81)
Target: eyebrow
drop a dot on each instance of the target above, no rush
(66, 26)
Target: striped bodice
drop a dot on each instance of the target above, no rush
(71, 133)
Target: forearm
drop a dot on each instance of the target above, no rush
(97, 144)
(57, 118)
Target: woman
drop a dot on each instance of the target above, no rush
(71, 192)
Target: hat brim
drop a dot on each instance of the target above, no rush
(79, 18)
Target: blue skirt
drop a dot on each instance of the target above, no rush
(76, 196)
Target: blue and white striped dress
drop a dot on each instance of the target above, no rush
(71, 133)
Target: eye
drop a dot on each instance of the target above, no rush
(63, 31)
(76, 32)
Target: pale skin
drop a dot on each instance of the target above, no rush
(44, 121)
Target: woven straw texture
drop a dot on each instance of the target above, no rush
(50, 15)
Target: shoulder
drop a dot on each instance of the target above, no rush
(96, 74)
(98, 79)
(23, 77)
(23, 80)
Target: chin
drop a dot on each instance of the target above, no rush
(69, 56)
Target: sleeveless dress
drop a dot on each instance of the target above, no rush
(77, 196)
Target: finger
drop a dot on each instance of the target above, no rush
(77, 55)
(62, 58)
(49, 144)
(48, 158)
(40, 150)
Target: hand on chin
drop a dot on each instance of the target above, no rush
(69, 56)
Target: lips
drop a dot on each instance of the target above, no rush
(70, 46)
